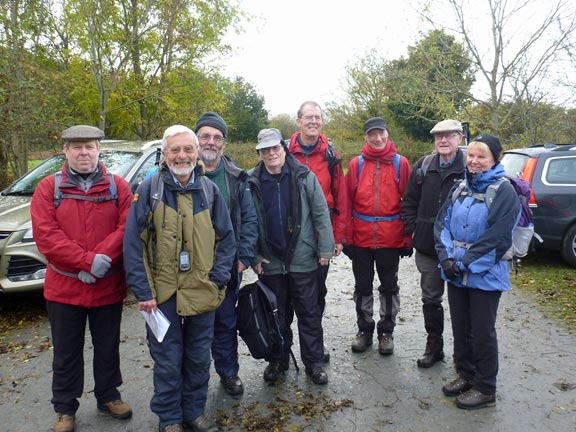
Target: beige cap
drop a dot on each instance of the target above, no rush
(447, 126)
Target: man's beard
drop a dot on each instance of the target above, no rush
(181, 170)
(210, 157)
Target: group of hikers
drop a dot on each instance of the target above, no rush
(182, 241)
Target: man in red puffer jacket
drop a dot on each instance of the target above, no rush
(376, 182)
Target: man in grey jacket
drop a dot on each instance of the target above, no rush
(295, 236)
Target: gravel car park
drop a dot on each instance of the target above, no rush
(22, 266)
(551, 171)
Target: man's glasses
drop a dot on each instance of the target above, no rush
(447, 135)
(312, 117)
(218, 139)
(274, 149)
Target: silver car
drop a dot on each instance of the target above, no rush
(22, 267)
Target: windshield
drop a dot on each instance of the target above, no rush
(117, 162)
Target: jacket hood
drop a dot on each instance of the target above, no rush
(480, 182)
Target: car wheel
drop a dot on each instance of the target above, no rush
(568, 250)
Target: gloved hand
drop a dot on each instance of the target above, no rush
(100, 265)
(86, 277)
(406, 252)
(451, 270)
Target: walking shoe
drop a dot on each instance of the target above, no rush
(272, 372)
(317, 375)
(458, 386)
(473, 399)
(64, 423)
(430, 359)
(201, 424)
(385, 344)
(232, 385)
(117, 409)
(361, 342)
(171, 428)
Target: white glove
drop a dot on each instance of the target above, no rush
(100, 265)
(86, 277)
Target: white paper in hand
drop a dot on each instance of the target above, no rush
(157, 322)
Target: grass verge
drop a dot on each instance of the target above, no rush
(551, 283)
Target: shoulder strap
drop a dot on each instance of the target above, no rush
(492, 189)
(421, 172)
(332, 160)
(397, 167)
(57, 192)
(156, 190)
(360, 165)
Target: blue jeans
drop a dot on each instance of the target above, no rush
(181, 365)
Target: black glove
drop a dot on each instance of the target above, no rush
(451, 270)
(406, 252)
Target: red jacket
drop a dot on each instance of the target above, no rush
(316, 162)
(377, 193)
(69, 236)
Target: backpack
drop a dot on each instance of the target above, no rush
(524, 228)
(421, 172)
(396, 166)
(157, 191)
(257, 320)
(333, 161)
(59, 195)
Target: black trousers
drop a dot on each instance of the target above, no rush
(68, 326)
(473, 312)
(298, 292)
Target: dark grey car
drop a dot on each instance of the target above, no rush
(551, 171)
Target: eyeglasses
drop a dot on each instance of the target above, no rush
(312, 117)
(218, 139)
(275, 149)
(448, 135)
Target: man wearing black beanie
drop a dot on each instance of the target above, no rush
(232, 182)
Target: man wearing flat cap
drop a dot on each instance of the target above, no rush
(376, 182)
(232, 181)
(295, 237)
(430, 183)
(80, 230)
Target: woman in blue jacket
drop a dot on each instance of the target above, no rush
(472, 235)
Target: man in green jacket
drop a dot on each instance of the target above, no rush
(295, 236)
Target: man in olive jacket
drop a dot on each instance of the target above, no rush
(295, 236)
(179, 248)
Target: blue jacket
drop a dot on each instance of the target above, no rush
(477, 237)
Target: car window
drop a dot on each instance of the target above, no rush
(560, 171)
(514, 163)
(115, 162)
(144, 170)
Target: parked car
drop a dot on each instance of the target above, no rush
(22, 266)
(551, 171)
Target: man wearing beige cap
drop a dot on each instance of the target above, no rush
(80, 230)
(429, 184)
(295, 237)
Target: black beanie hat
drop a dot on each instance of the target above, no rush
(492, 142)
(210, 118)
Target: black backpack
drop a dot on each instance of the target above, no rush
(258, 322)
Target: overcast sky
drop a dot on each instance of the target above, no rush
(297, 50)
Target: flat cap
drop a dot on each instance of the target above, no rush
(82, 133)
(447, 126)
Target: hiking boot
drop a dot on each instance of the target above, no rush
(117, 409)
(232, 385)
(473, 399)
(171, 428)
(361, 342)
(201, 424)
(458, 386)
(272, 372)
(64, 423)
(385, 344)
(430, 358)
(317, 375)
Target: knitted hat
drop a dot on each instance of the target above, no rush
(492, 142)
(212, 119)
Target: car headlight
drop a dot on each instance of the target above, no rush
(28, 236)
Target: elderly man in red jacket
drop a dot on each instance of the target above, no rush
(314, 150)
(81, 235)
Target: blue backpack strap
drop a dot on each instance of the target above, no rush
(360, 165)
(397, 167)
